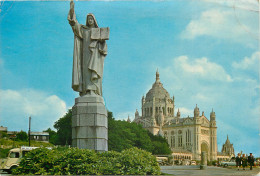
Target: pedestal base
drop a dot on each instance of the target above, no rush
(203, 161)
(89, 123)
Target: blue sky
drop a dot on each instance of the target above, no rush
(207, 53)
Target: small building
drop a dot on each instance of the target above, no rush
(3, 129)
(228, 149)
(12, 134)
(39, 136)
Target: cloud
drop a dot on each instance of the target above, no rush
(225, 23)
(185, 112)
(18, 105)
(241, 4)
(247, 63)
(200, 97)
(201, 68)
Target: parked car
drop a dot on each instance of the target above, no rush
(14, 157)
(162, 160)
(228, 163)
(193, 163)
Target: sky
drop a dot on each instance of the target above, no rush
(206, 51)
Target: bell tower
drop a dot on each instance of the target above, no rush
(213, 136)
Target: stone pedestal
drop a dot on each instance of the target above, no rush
(203, 164)
(89, 123)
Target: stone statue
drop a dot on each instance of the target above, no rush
(90, 50)
(89, 115)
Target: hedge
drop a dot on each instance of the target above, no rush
(73, 161)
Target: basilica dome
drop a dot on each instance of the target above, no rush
(157, 90)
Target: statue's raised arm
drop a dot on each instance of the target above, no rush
(71, 15)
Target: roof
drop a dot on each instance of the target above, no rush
(12, 132)
(180, 123)
(227, 141)
(157, 90)
(39, 134)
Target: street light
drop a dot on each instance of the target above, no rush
(29, 133)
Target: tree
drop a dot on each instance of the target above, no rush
(123, 135)
(52, 135)
(160, 144)
(64, 132)
(22, 136)
(3, 134)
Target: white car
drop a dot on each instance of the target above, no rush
(14, 157)
(193, 163)
(228, 163)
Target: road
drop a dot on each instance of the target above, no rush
(211, 170)
(195, 171)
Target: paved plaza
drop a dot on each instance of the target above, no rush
(211, 170)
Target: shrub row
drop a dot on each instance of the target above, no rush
(73, 161)
(12, 144)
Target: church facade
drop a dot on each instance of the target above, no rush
(187, 136)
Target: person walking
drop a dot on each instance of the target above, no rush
(244, 161)
(251, 160)
(238, 161)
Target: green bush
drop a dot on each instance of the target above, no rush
(3, 134)
(21, 136)
(73, 161)
(4, 152)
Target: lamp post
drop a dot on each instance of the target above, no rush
(29, 133)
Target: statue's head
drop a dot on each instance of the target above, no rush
(91, 21)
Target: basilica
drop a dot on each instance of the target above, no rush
(187, 136)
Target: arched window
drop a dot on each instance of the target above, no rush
(188, 137)
(179, 141)
(173, 141)
(163, 110)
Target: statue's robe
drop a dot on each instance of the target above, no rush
(90, 50)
